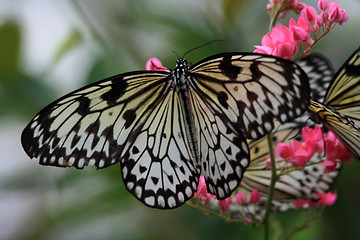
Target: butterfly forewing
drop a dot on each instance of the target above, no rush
(340, 111)
(344, 93)
(252, 90)
(91, 126)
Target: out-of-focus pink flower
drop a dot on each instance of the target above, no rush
(294, 5)
(225, 204)
(255, 196)
(323, 5)
(240, 198)
(301, 203)
(298, 6)
(330, 165)
(283, 150)
(337, 14)
(309, 14)
(268, 162)
(344, 18)
(294, 153)
(327, 199)
(247, 220)
(334, 12)
(202, 193)
(154, 64)
(279, 43)
(335, 152)
(300, 30)
(313, 139)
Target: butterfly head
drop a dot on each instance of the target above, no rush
(180, 74)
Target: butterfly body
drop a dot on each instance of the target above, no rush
(167, 128)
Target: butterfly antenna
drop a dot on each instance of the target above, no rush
(203, 45)
(176, 54)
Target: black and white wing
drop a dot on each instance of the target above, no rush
(133, 118)
(239, 95)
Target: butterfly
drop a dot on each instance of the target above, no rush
(302, 184)
(295, 185)
(167, 128)
(340, 111)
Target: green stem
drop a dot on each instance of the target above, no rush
(272, 186)
(304, 226)
(278, 10)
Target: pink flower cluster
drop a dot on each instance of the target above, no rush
(224, 204)
(299, 153)
(294, 5)
(285, 41)
(325, 199)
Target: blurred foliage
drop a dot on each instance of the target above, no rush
(122, 35)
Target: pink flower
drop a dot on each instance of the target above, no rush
(344, 17)
(298, 6)
(240, 198)
(300, 30)
(335, 149)
(330, 165)
(154, 64)
(279, 43)
(323, 5)
(225, 204)
(313, 139)
(327, 199)
(301, 203)
(309, 14)
(294, 153)
(255, 196)
(202, 193)
(283, 150)
(337, 14)
(334, 12)
(247, 220)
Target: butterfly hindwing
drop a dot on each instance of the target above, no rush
(296, 184)
(158, 168)
(224, 153)
(320, 73)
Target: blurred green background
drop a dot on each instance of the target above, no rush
(48, 48)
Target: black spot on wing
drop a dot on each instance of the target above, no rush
(83, 107)
(129, 116)
(223, 97)
(228, 69)
(117, 89)
(255, 72)
(352, 70)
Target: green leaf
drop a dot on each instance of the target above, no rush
(10, 42)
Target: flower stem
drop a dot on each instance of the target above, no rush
(272, 185)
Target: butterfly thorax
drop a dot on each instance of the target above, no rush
(181, 81)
